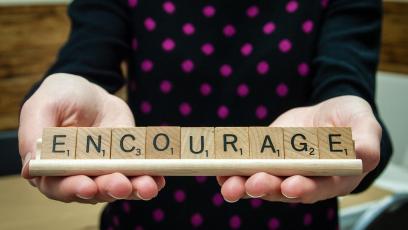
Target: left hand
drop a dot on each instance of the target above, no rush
(350, 111)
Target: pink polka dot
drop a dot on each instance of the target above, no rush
(235, 222)
(261, 112)
(126, 206)
(217, 199)
(246, 49)
(169, 7)
(201, 179)
(282, 90)
(324, 3)
(132, 3)
(252, 11)
(225, 70)
(147, 65)
(187, 66)
(307, 219)
(292, 6)
(243, 90)
(135, 44)
(303, 69)
(185, 109)
(209, 11)
(207, 49)
(150, 24)
(256, 203)
(262, 67)
(168, 44)
(269, 27)
(158, 215)
(223, 112)
(197, 220)
(330, 214)
(205, 89)
(229, 30)
(145, 107)
(188, 28)
(165, 86)
(138, 227)
(307, 26)
(285, 45)
(273, 223)
(179, 195)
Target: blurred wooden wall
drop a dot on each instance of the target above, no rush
(30, 37)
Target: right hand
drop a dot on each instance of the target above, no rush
(67, 100)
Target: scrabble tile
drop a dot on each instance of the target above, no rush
(128, 143)
(335, 142)
(93, 143)
(197, 142)
(58, 143)
(231, 143)
(300, 143)
(163, 142)
(266, 142)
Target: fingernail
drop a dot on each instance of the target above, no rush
(289, 197)
(115, 197)
(254, 196)
(27, 159)
(84, 197)
(140, 197)
(81, 187)
(230, 201)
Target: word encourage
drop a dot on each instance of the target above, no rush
(197, 142)
(196, 151)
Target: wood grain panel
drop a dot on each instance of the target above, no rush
(394, 51)
(30, 37)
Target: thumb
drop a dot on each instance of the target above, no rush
(115, 113)
(34, 117)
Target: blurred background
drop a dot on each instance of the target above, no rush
(31, 32)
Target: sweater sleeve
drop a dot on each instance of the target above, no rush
(347, 60)
(98, 43)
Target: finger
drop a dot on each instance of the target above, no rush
(233, 188)
(313, 189)
(67, 189)
(160, 181)
(25, 172)
(33, 118)
(112, 187)
(367, 135)
(111, 119)
(222, 179)
(145, 187)
(262, 184)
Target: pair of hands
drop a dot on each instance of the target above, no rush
(69, 100)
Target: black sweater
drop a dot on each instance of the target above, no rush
(224, 63)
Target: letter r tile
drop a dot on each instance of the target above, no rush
(231, 143)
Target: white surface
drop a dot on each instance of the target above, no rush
(392, 100)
